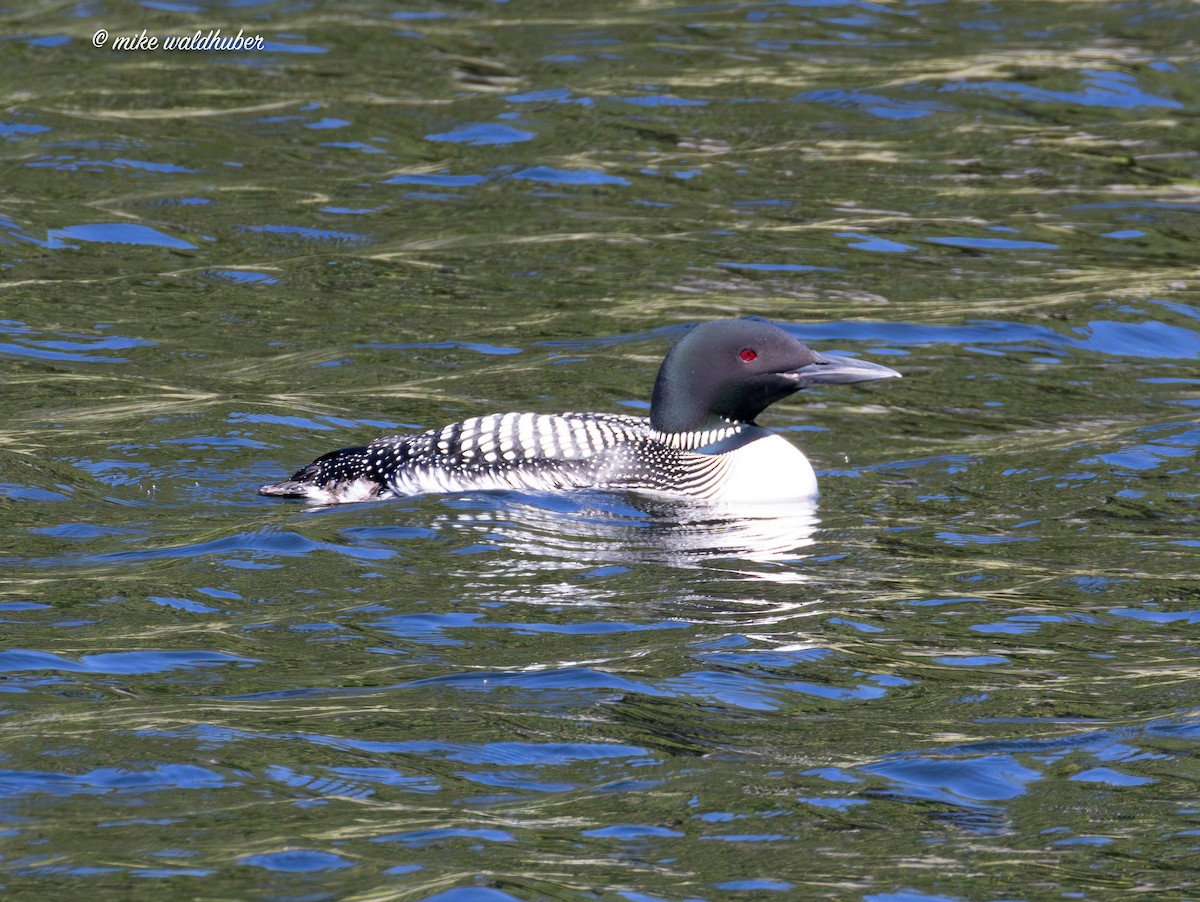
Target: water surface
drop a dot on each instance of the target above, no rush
(969, 674)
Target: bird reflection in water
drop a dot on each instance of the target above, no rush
(593, 528)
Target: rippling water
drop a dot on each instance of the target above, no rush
(969, 673)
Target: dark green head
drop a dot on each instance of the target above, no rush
(734, 369)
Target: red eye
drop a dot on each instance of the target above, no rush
(748, 354)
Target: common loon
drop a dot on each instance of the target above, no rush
(700, 440)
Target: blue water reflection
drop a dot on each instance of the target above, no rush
(554, 176)
(157, 778)
(482, 134)
(114, 233)
(298, 861)
(1102, 88)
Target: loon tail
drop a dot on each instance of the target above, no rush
(337, 476)
(296, 487)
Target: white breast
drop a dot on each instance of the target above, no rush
(768, 470)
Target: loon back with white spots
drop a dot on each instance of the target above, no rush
(699, 441)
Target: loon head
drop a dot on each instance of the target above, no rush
(735, 369)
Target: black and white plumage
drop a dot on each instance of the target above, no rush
(699, 441)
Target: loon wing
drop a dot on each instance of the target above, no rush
(502, 451)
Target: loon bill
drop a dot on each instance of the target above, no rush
(700, 440)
